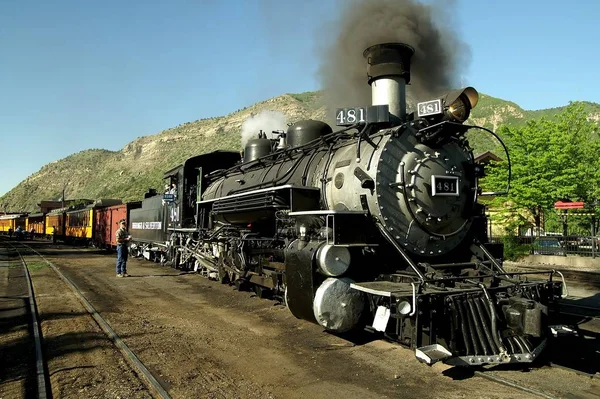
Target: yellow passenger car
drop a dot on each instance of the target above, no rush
(79, 223)
(36, 222)
(7, 222)
(55, 223)
(21, 222)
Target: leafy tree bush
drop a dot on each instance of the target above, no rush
(551, 160)
(513, 249)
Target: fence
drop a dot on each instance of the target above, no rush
(587, 246)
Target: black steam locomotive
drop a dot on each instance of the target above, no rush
(374, 226)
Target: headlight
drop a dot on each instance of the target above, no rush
(461, 102)
(456, 106)
(459, 110)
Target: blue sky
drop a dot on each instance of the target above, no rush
(76, 75)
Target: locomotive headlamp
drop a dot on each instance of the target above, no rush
(460, 103)
(456, 106)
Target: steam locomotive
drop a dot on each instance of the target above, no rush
(375, 226)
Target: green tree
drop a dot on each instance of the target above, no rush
(551, 160)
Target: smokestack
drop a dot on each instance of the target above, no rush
(388, 69)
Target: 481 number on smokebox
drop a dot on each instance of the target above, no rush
(350, 116)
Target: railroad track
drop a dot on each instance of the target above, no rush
(513, 384)
(42, 386)
(589, 279)
(43, 381)
(492, 375)
(573, 309)
(583, 357)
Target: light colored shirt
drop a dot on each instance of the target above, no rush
(121, 235)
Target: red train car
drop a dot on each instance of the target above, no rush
(107, 222)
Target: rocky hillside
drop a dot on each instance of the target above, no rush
(128, 173)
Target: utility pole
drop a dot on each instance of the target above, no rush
(63, 194)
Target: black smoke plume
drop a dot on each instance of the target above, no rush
(436, 65)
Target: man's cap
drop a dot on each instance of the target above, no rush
(122, 221)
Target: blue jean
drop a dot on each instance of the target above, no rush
(122, 252)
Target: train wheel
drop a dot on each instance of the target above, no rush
(176, 260)
(241, 284)
(223, 274)
(262, 292)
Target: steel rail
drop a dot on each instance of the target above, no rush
(575, 305)
(594, 310)
(133, 360)
(512, 384)
(41, 377)
(574, 370)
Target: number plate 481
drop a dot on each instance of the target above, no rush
(350, 116)
(445, 186)
(427, 108)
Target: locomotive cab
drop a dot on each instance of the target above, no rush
(187, 182)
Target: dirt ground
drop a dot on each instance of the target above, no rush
(202, 339)
(82, 362)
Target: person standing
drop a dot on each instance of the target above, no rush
(123, 238)
(174, 204)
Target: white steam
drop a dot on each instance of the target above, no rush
(266, 120)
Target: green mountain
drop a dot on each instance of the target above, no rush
(128, 173)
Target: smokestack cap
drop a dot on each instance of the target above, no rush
(388, 59)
